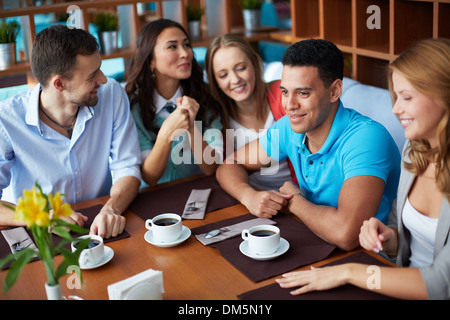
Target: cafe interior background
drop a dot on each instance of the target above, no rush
(371, 33)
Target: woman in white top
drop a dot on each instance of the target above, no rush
(419, 223)
(235, 75)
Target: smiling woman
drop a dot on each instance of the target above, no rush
(235, 76)
(167, 94)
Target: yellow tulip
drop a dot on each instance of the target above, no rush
(31, 208)
(60, 209)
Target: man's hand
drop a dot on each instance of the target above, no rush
(289, 188)
(76, 218)
(107, 224)
(266, 204)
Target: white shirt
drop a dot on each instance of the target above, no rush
(242, 136)
(160, 102)
(423, 233)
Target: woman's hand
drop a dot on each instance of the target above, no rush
(191, 105)
(376, 236)
(177, 121)
(76, 218)
(316, 279)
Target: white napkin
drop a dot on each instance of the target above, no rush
(147, 285)
(233, 230)
(18, 239)
(195, 207)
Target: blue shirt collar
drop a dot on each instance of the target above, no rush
(340, 122)
(32, 111)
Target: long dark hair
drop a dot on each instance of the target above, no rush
(141, 82)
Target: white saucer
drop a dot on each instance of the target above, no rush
(284, 246)
(109, 254)
(185, 233)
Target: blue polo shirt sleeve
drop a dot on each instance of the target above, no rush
(276, 139)
(369, 152)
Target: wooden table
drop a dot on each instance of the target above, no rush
(191, 271)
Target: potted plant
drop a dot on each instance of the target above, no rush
(194, 14)
(251, 11)
(107, 23)
(42, 214)
(8, 34)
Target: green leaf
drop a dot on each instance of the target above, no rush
(61, 244)
(9, 207)
(72, 227)
(71, 258)
(7, 259)
(22, 258)
(62, 232)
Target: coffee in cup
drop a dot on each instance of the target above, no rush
(166, 227)
(262, 239)
(94, 252)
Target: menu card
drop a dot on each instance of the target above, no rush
(149, 204)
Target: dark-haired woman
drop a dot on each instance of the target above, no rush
(177, 120)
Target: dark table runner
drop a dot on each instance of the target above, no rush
(90, 212)
(173, 199)
(346, 292)
(304, 248)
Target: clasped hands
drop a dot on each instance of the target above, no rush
(182, 118)
(266, 204)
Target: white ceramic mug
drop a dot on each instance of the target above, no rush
(94, 253)
(166, 227)
(262, 239)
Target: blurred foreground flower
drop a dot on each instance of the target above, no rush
(42, 214)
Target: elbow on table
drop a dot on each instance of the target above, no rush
(151, 181)
(346, 240)
(210, 170)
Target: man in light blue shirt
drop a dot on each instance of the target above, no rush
(346, 164)
(73, 133)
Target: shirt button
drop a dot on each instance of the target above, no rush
(311, 162)
(76, 172)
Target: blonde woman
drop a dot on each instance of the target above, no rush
(420, 221)
(250, 106)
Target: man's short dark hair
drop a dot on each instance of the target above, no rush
(319, 53)
(55, 51)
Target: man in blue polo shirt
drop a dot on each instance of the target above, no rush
(346, 164)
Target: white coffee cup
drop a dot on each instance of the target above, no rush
(94, 253)
(166, 227)
(262, 239)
